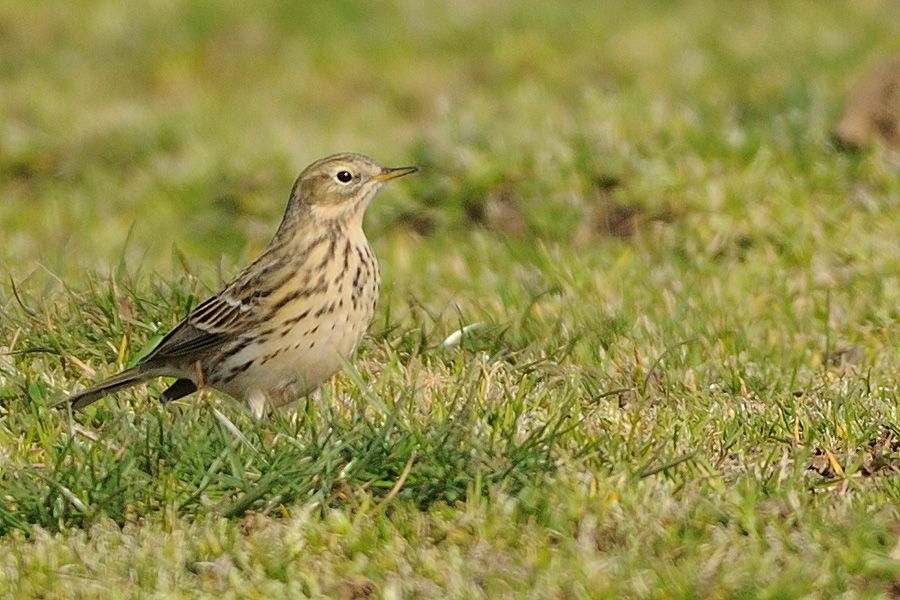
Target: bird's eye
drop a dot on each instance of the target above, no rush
(344, 176)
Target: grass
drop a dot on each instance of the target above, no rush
(685, 379)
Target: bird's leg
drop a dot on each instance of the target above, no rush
(199, 379)
(258, 404)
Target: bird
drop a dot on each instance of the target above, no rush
(288, 321)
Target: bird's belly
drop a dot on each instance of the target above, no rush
(287, 367)
(306, 341)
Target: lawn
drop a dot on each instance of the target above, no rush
(679, 375)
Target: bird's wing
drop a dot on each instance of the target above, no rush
(216, 319)
(207, 326)
(184, 340)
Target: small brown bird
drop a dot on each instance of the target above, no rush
(286, 322)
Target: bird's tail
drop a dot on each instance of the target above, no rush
(125, 379)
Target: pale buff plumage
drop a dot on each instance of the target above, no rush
(287, 321)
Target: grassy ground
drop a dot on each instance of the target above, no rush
(686, 378)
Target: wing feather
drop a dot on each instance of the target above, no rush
(216, 319)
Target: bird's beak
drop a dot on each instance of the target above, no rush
(388, 173)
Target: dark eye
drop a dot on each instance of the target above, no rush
(344, 176)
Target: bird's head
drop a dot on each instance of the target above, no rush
(341, 186)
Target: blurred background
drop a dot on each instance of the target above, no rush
(127, 132)
(687, 361)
